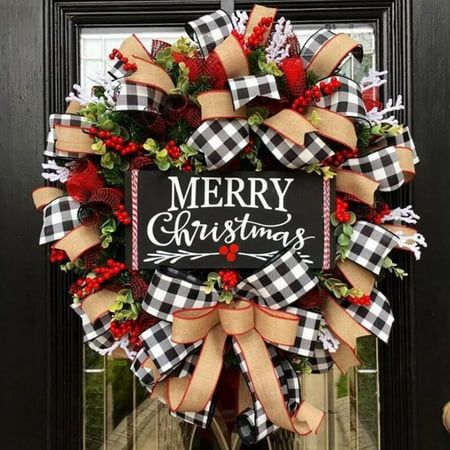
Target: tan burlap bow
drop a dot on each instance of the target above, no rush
(250, 325)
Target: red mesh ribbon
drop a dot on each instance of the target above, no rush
(90, 258)
(294, 45)
(155, 122)
(295, 75)
(111, 197)
(197, 68)
(84, 179)
(158, 45)
(371, 99)
(138, 286)
(215, 71)
(141, 162)
(193, 115)
(313, 299)
(175, 107)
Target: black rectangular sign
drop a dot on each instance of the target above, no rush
(233, 220)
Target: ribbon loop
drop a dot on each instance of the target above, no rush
(292, 139)
(324, 51)
(209, 30)
(245, 89)
(369, 245)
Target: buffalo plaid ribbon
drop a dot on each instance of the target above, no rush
(138, 97)
(347, 100)
(66, 120)
(59, 217)
(289, 153)
(220, 140)
(316, 41)
(253, 424)
(283, 280)
(382, 165)
(209, 30)
(369, 245)
(244, 89)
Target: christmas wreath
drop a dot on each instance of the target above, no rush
(241, 93)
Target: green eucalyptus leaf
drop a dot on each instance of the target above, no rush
(347, 229)
(343, 240)
(333, 220)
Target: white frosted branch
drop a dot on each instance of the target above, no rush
(277, 49)
(376, 116)
(373, 79)
(57, 173)
(84, 96)
(329, 342)
(412, 243)
(239, 20)
(399, 215)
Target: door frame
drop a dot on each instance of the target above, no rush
(63, 22)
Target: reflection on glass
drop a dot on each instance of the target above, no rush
(118, 415)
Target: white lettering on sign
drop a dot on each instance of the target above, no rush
(216, 189)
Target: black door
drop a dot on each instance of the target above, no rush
(41, 405)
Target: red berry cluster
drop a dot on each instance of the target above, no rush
(186, 167)
(128, 67)
(241, 40)
(377, 214)
(249, 147)
(88, 285)
(361, 301)
(341, 156)
(229, 252)
(115, 142)
(229, 279)
(315, 93)
(257, 36)
(173, 150)
(122, 215)
(57, 255)
(131, 327)
(342, 215)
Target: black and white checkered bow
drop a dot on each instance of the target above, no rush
(321, 361)
(59, 217)
(209, 30)
(277, 285)
(377, 317)
(347, 100)
(138, 97)
(382, 165)
(316, 41)
(289, 153)
(244, 89)
(97, 332)
(66, 120)
(253, 424)
(369, 245)
(220, 140)
(404, 139)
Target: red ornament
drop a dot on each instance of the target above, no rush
(295, 75)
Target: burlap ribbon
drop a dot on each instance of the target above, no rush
(61, 223)
(68, 136)
(249, 325)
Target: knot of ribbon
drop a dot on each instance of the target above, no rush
(262, 318)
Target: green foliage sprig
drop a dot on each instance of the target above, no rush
(124, 306)
(392, 267)
(343, 232)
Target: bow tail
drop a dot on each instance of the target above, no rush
(160, 356)
(253, 424)
(264, 383)
(192, 393)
